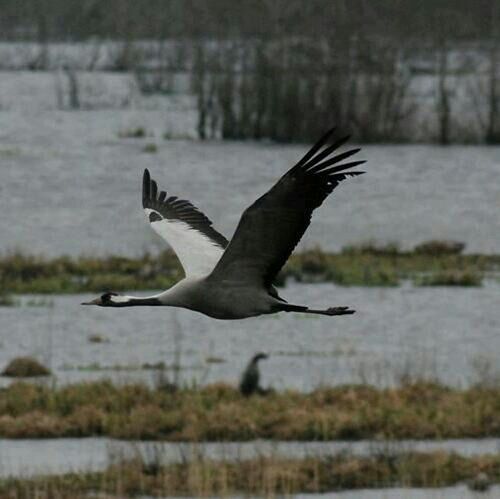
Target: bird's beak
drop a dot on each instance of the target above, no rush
(97, 301)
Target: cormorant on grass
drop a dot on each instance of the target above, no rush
(250, 378)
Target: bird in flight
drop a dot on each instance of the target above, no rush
(234, 279)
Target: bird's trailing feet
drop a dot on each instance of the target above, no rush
(288, 307)
(332, 311)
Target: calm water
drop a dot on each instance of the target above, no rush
(446, 333)
(30, 457)
(69, 184)
(458, 492)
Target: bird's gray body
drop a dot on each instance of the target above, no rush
(220, 300)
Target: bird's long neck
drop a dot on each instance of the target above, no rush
(135, 301)
(169, 298)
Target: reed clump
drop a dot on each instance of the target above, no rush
(451, 278)
(150, 148)
(440, 247)
(7, 300)
(220, 413)
(134, 133)
(25, 367)
(265, 476)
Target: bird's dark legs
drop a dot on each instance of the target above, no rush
(287, 307)
(331, 311)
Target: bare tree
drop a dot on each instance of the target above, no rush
(493, 125)
(443, 96)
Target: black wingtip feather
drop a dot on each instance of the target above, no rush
(342, 167)
(332, 161)
(154, 189)
(146, 185)
(316, 147)
(326, 152)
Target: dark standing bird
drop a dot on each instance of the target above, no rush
(235, 280)
(250, 378)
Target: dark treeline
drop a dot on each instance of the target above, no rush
(76, 20)
(285, 69)
(288, 90)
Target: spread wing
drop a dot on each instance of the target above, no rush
(272, 226)
(185, 228)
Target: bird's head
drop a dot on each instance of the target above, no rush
(106, 300)
(260, 356)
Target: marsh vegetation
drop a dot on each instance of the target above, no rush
(218, 412)
(367, 264)
(264, 476)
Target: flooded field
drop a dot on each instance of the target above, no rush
(75, 181)
(70, 183)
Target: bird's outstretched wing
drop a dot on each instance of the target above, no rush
(272, 226)
(185, 228)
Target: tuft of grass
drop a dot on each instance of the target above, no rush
(97, 338)
(364, 276)
(134, 133)
(451, 278)
(150, 148)
(7, 300)
(25, 367)
(211, 359)
(373, 248)
(440, 247)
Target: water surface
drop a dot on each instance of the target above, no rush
(449, 334)
(71, 185)
(51, 456)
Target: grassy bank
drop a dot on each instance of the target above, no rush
(219, 413)
(264, 476)
(437, 263)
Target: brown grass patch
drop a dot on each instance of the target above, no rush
(219, 413)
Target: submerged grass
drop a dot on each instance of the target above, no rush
(264, 476)
(219, 413)
(435, 262)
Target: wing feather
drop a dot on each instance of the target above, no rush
(185, 228)
(272, 226)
